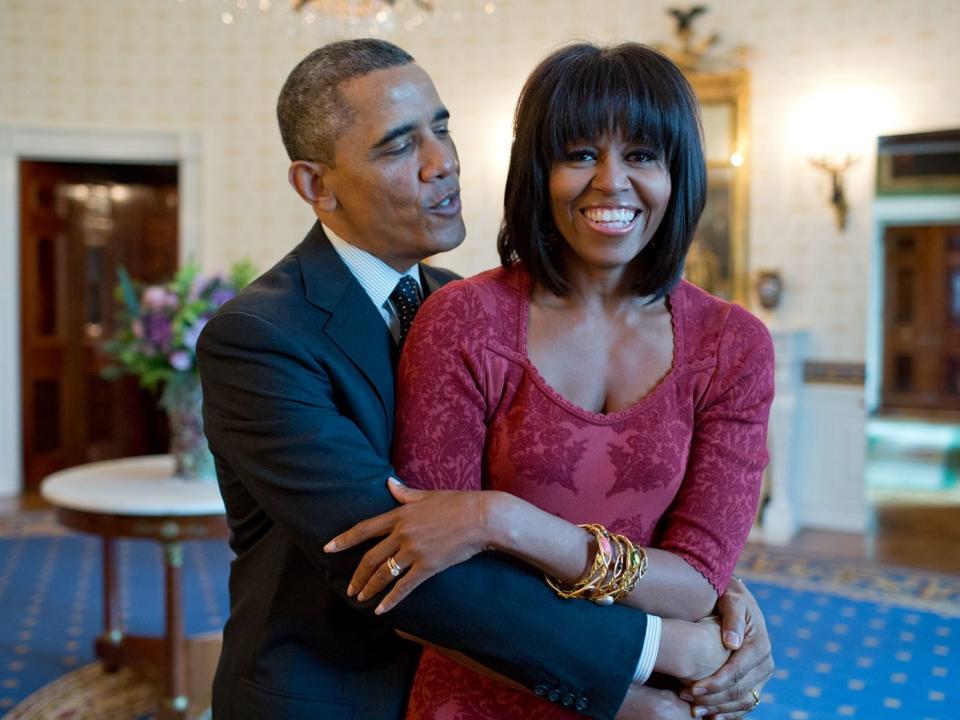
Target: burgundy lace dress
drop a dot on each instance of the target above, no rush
(679, 470)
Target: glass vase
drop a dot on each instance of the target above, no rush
(182, 400)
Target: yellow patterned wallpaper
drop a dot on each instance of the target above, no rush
(172, 65)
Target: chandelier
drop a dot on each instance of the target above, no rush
(370, 16)
(355, 8)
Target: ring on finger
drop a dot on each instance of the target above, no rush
(395, 570)
(756, 697)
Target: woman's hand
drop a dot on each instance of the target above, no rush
(734, 689)
(430, 531)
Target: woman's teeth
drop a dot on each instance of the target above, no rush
(611, 216)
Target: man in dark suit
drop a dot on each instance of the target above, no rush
(297, 376)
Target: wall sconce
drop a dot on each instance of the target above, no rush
(838, 200)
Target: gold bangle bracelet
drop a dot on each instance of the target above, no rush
(602, 583)
(597, 572)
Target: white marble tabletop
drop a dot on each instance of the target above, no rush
(140, 486)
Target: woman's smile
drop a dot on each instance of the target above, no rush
(611, 220)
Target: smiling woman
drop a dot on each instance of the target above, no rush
(641, 103)
(584, 383)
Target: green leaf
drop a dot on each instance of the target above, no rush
(242, 274)
(128, 292)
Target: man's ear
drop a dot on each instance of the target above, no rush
(309, 179)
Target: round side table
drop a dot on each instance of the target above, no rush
(138, 498)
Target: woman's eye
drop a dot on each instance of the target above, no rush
(579, 156)
(642, 156)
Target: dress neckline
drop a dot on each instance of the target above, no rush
(672, 300)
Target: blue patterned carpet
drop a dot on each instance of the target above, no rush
(51, 597)
(857, 641)
(851, 640)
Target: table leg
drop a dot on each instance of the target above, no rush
(175, 701)
(109, 645)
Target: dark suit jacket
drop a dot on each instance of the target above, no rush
(297, 376)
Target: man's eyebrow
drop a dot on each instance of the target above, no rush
(394, 133)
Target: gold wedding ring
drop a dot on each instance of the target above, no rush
(395, 571)
(756, 697)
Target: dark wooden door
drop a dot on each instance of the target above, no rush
(78, 223)
(921, 354)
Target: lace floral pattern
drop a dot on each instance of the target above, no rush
(679, 470)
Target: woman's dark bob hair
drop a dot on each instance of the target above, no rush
(579, 93)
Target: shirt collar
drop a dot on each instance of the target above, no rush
(374, 275)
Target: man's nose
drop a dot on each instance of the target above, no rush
(439, 159)
(611, 176)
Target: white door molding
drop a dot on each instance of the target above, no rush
(888, 212)
(69, 145)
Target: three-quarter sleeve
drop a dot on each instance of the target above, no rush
(711, 516)
(440, 412)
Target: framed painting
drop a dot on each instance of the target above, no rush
(718, 258)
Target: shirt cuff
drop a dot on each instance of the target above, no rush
(651, 647)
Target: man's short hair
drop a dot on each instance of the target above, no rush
(579, 93)
(311, 110)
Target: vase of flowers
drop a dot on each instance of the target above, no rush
(182, 400)
(156, 340)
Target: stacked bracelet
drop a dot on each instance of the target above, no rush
(595, 576)
(617, 567)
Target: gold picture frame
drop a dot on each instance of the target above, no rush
(718, 258)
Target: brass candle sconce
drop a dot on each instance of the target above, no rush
(838, 199)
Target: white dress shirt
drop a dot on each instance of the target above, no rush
(376, 278)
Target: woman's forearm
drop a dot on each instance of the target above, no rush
(671, 587)
(557, 547)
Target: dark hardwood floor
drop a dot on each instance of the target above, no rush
(911, 535)
(28, 501)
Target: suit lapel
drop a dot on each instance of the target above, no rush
(431, 279)
(354, 324)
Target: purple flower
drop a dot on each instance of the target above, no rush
(221, 295)
(156, 297)
(180, 360)
(192, 334)
(199, 286)
(157, 330)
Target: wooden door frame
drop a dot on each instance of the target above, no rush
(183, 149)
(891, 212)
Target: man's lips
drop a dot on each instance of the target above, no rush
(448, 205)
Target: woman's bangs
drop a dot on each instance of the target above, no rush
(588, 105)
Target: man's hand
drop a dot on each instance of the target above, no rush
(734, 689)
(430, 531)
(647, 703)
